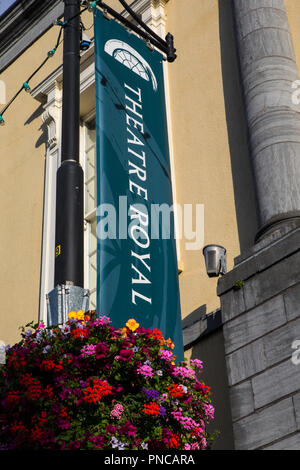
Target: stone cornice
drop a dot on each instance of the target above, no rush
(151, 12)
(23, 24)
(27, 20)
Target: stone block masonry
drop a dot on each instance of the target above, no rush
(261, 322)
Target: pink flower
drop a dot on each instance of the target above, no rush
(184, 372)
(100, 321)
(145, 370)
(166, 355)
(197, 363)
(88, 350)
(203, 443)
(209, 411)
(117, 411)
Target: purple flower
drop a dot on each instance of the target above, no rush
(114, 442)
(151, 393)
(65, 393)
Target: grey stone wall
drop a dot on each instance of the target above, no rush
(261, 321)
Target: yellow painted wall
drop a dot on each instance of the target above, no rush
(202, 157)
(22, 186)
(293, 12)
(21, 193)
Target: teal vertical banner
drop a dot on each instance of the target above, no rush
(137, 274)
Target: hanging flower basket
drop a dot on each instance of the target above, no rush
(87, 385)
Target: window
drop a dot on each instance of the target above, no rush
(90, 204)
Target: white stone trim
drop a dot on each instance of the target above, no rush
(52, 119)
(2, 352)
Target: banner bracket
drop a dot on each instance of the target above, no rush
(165, 46)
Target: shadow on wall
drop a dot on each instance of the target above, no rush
(41, 141)
(43, 138)
(210, 350)
(243, 184)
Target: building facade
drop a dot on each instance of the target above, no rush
(233, 124)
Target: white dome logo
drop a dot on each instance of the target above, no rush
(126, 55)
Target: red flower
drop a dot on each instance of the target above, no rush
(157, 334)
(18, 427)
(36, 433)
(63, 419)
(195, 431)
(16, 361)
(95, 393)
(34, 392)
(151, 409)
(202, 388)
(47, 364)
(58, 367)
(63, 413)
(175, 391)
(48, 392)
(13, 397)
(42, 419)
(175, 441)
(79, 333)
(26, 379)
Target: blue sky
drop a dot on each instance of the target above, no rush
(5, 4)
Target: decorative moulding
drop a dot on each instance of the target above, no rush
(23, 24)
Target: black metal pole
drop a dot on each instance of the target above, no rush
(69, 192)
